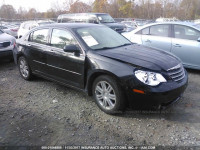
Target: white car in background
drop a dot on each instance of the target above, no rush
(28, 25)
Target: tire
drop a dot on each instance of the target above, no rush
(24, 68)
(108, 95)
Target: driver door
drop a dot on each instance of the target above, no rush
(65, 67)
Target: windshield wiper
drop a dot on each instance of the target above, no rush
(125, 44)
(104, 48)
(107, 22)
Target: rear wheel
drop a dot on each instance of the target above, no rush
(108, 95)
(24, 69)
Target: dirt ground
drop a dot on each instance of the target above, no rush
(41, 113)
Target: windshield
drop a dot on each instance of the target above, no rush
(44, 23)
(105, 18)
(98, 38)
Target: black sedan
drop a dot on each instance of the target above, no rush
(102, 63)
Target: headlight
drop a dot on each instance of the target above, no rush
(150, 78)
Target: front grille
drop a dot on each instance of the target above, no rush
(177, 73)
(4, 44)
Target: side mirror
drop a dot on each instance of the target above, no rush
(71, 49)
(198, 39)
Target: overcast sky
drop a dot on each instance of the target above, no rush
(39, 5)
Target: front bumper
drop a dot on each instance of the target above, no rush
(155, 97)
(8, 54)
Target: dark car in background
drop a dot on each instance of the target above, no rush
(7, 43)
(100, 62)
(96, 18)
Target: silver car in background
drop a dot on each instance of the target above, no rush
(7, 44)
(10, 29)
(181, 39)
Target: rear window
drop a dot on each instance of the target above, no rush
(159, 30)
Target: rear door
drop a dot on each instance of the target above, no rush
(186, 46)
(65, 67)
(35, 50)
(157, 36)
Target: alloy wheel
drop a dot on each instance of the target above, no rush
(105, 95)
(24, 68)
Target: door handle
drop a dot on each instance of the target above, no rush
(177, 45)
(28, 45)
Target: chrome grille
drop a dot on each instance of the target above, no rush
(4, 44)
(177, 73)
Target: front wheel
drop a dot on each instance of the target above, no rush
(108, 95)
(24, 69)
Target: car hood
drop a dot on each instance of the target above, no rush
(142, 56)
(6, 37)
(115, 25)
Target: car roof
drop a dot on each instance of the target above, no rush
(83, 14)
(70, 25)
(190, 24)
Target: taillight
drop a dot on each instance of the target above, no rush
(14, 44)
(14, 30)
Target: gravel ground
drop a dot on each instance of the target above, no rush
(40, 112)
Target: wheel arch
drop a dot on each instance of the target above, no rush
(95, 75)
(18, 56)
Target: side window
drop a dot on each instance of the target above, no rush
(92, 19)
(67, 19)
(145, 31)
(39, 36)
(2, 27)
(160, 30)
(184, 32)
(61, 38)
(139, 32)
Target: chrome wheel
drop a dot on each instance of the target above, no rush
(24, 68)
(105, 95)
